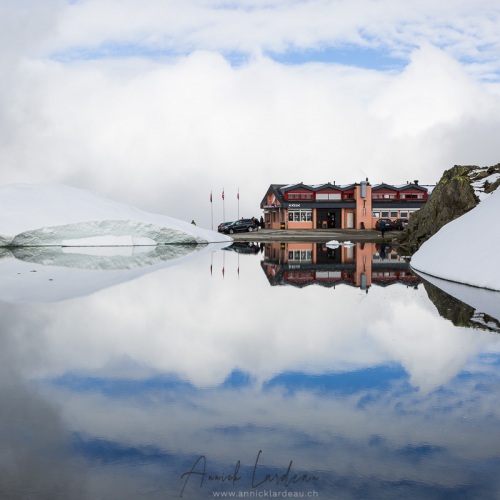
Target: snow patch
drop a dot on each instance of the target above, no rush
(51, 214)
(466, 249)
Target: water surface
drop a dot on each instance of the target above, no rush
(254, 371)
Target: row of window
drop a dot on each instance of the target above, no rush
(306, 215)
(300, 196)
(392, 214)
(403, 196)
(300, 255)
(350, 196)
(300, 215)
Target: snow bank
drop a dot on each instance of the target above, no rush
(34, 215)
(465, 250)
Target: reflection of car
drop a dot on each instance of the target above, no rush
(222, 225)
(249, 247)
(239, 226)
(400, 224)
(388, 224)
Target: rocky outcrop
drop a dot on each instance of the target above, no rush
(458, 191)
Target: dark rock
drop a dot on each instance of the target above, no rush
(453, 196)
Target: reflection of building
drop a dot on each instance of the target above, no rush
(299, 206)
(360, 265)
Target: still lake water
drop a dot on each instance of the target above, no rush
(272, 371)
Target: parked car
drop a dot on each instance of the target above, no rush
(239, 226)
(400, 224)
(387, 222)
(222, 225)
(249, 247)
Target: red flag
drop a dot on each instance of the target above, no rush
(238, 195)
(210, 196)
(223, 194)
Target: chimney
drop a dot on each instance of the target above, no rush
(415, 182)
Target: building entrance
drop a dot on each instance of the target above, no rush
(328, 218)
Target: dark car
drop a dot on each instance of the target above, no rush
(239, 226)
(384, 223)
(246, 248)
(400, 224)
(222, 225)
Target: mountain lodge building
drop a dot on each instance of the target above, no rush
(352, 206)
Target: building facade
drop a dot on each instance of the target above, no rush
(352, 206)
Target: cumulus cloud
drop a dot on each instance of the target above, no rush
(141, 101)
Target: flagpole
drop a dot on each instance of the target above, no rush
(223, 206)
(211, 211)
(238, 196)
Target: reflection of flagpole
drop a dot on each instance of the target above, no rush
(223, 207)
(211, 211)
(238, 263)
(238, 196)
(211, 263)
(223, 262)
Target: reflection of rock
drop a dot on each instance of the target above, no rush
(455, 194)
(449, 307)
(458, 312)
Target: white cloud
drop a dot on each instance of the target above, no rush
(162, 133)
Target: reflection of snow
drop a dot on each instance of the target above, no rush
(333, 244)
(50, 274)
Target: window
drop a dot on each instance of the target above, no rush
(328, 196)
(376, 215)
(385, 214)
(394, 214)
(300, 196)
(299, 255)
(300, 215)
(404, 215)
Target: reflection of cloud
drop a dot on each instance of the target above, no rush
(203, 326)
(389, 434)
(431, 351)
(103, 359)
(34, 440)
